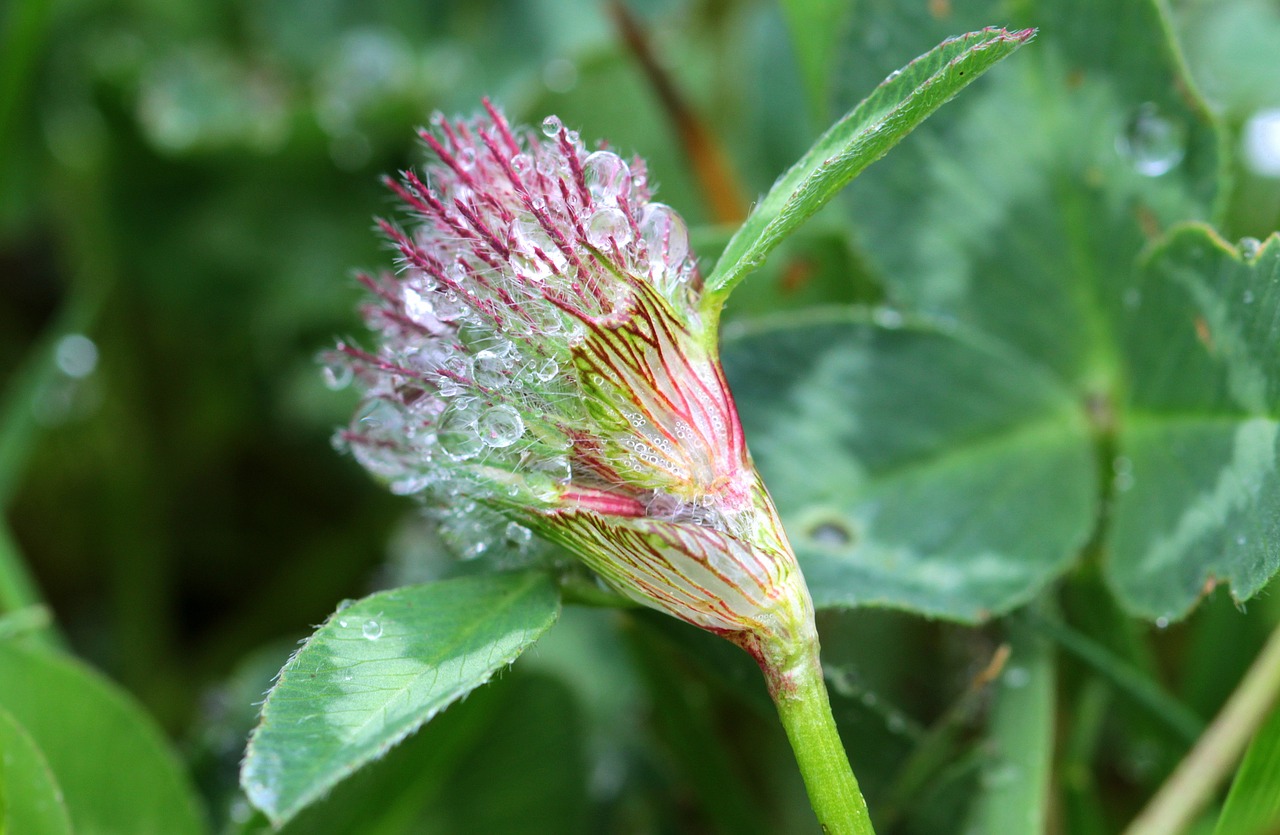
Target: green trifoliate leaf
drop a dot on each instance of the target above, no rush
(1197, 476)
(914, 467)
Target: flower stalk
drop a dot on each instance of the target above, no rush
(546, 374)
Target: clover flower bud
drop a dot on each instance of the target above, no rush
(542, 360)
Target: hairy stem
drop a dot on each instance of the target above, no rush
(801, 697)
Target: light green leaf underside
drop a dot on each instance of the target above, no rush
(115, 770)
(1198, 487)
(862, 136)
(30, 799)
(376, 670)
(914, 468)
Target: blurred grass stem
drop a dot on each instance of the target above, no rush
(1198, 776)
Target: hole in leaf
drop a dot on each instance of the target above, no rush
(832, 533)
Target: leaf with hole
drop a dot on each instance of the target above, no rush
(915, 467)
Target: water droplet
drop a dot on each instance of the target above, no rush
(1247, 298)
(410, 484)
(522, 163)
(547, 370)
(344, 604)
(371, 630)
(558, 468)
(887, 317)
(1261, 143)
(518, 535)
(608, 178)
(500, 426)
(1249, 248)
(1151, 142)
(1017, 677)
(342, 622)
(76, 355)
(447, 307)
(606, 225)
(457, 431)
(418, 306)
(1242, 540)
(337, 374)
(551, 126)
(665, 236)
(380, 418)
(467, 158)
(490, 369)
(1162, 622)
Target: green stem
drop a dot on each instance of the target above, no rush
(1197, 777)
(805, 711)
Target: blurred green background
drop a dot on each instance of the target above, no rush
(185, 188)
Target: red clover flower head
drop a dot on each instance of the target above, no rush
(542, 360)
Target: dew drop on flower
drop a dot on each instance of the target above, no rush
(547, 370)
(518, 535)
(337, 374)
(467, 158)
(447, 307)
(417, 306)
(608, 177)
(1151, 142)
(500, 426)
(371, 630)
(457, 431)
(490, 369)
(381, 417)
(522, 163)
(665, 237)
(410, 484)
(608, 224)
(551, 126)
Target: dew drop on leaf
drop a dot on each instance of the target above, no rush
(371, 630)
(1249, 248)
(1151, 142)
